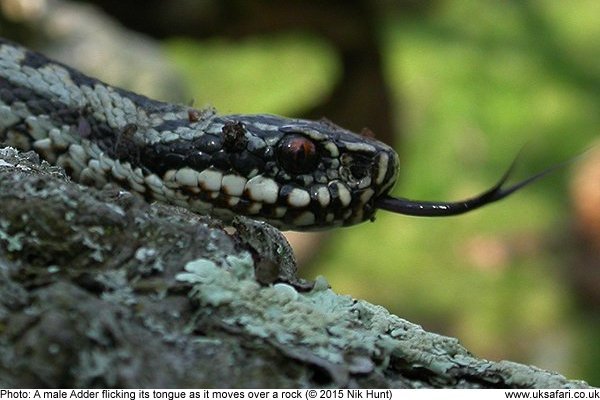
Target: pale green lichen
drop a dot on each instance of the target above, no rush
(241, 266)
(203, 273)
(14, 242)
(336, 328)
(5, 164)
(118, 289)
(354, 336)
(53, 269)
(330, 324)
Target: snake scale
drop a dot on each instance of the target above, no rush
(295, 174)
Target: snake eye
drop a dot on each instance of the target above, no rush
(297, 154)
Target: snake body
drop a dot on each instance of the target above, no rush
(295, 174)
(292, 173)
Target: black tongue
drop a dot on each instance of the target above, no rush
(444, 209)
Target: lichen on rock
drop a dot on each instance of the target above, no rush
(100, 288)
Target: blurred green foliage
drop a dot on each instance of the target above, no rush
(282, 74)
(474, 81)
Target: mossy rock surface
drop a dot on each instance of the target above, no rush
(99, 288)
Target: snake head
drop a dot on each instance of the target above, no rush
(330, 176)
(341, 172)
(304, 175)
(292, 173)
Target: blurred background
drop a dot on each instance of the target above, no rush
(457, 87)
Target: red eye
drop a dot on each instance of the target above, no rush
(297, 154)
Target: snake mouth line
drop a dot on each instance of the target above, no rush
(293, 173)
(424, 208)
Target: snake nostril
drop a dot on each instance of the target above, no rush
(359, 171)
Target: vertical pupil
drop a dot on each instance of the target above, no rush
(297, 154)
(300, 151)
